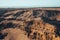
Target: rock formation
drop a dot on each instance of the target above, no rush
(29, 24)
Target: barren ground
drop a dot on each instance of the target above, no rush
(30, 24)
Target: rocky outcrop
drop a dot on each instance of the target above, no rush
(29, 24)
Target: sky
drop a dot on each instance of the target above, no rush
(29, 3)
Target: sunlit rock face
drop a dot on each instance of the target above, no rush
(29, 24)
(14, 34)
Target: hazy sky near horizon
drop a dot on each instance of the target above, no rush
(29, 3)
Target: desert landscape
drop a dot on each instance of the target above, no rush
(29, 23)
